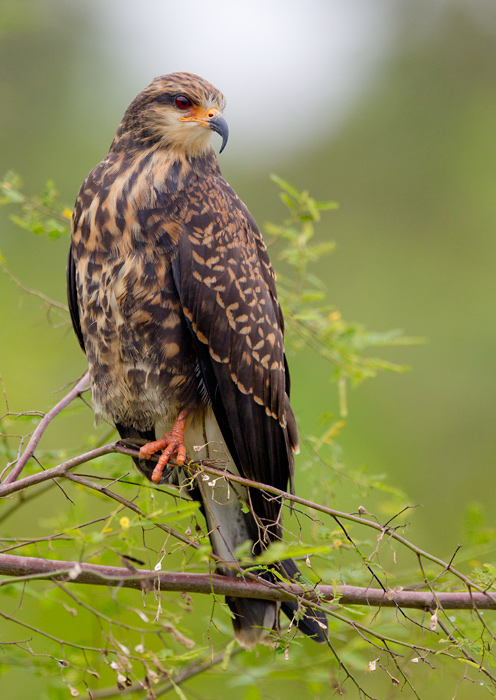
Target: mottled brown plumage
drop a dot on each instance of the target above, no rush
(173, 299)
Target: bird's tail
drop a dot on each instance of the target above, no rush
(254, 618)
(311, 622)
(229, 528)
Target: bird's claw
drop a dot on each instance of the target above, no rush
(171, 443)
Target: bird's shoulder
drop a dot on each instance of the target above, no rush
(221, 235)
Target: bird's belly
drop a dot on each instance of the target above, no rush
(140, 376)
(140, 352)
(134, 395)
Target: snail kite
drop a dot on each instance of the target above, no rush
(173, 299)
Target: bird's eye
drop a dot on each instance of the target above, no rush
(183, 102)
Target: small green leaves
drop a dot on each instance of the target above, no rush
(304, 207)
(278, 551)
(310, 321)
(40, 215)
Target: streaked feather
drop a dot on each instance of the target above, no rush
(173, 299)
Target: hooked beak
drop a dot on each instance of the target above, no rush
(219, 125)
(211, 119)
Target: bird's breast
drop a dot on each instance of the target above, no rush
(140, 351)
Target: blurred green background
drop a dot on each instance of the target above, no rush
(389, 108)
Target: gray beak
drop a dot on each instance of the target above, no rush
(219, 125)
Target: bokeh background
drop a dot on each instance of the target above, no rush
(387, 107)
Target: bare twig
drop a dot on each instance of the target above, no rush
(7, 489)
(190, 671)
(24, 497)
(465, 652)
(384, 530)
(42, 426)
(196, 469)
(123, 501)
(34, 292)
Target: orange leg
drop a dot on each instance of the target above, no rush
(172, 442)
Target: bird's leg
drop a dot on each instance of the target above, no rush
(172, 442)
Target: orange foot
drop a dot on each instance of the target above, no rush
(172, 442)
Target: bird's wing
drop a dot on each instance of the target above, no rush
(72, 298)
(227, 291)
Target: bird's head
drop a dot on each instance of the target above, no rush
(178, 111)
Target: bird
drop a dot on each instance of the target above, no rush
(173, 300)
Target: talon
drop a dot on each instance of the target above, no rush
(172, 442)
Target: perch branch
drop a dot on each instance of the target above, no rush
(28, 568)
(196, 470)
(42, 426)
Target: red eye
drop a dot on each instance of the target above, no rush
(183, 102)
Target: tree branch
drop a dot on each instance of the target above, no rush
(196, 469)
(190, 671)
(42, 426)
(34, 292)
(28, 568)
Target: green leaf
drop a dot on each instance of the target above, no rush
(284, 550)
